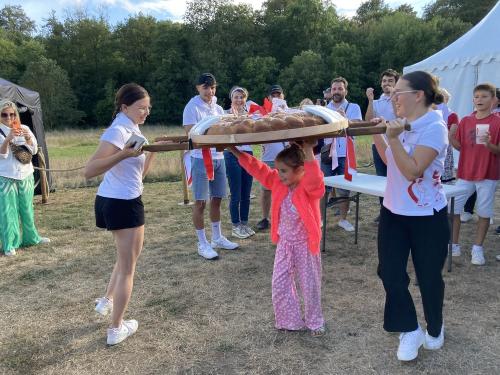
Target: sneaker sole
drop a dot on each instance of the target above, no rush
(429, 347)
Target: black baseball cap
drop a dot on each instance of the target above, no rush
(206, 79)
(276, 88)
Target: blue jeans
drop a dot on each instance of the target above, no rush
(240, 186)
(328, 172)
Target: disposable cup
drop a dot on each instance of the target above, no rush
(481, 130)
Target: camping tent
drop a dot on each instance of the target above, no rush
(472, 59)
(30, 111)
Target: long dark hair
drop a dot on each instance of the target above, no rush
(429, 84)
(128, 94)
(292, 155)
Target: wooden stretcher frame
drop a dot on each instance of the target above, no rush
(220, 142)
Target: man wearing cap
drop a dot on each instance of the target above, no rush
(202, 105)
(269, 152)
(351, 111)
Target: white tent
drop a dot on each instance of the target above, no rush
(472, 59)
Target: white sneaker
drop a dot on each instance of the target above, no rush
(206, 251)
(465, 217)
(103, 306)
(126, 329)
(239, 232)
(44, 240)
(434, 343)
(498, 257)
(248, 230)
(223, 243)
(10, 253)
(409, 343)
(477, 256)
(344, 224)
(455, 250)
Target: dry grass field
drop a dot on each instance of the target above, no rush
(201, 317)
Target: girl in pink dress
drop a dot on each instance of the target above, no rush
(296, 186)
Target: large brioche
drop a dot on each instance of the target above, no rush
(277, 121)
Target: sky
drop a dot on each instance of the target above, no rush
(118, 10)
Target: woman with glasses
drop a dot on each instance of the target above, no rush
(240, 182)
(118, 204)
(16, 183)
(413, 218)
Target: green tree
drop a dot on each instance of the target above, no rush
(134, 38)
(304, 77)
(465, 10)
(257, 75)
(84, 48)
(16, 23)
(57, 98)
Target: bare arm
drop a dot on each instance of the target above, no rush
(233, 150)
(495, 149)
(369, 111)
(187, 128)
(107, 156)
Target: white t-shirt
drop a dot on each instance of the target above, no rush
(353, 112)
(270, 150)
(195, 111)
(424, 195)
(383, 107)
(123, 180)
(10, 167)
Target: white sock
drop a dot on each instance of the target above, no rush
(455, 246)
(216, 232)
(477, 247)
(202, 238)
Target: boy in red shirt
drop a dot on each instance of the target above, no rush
(477, 138)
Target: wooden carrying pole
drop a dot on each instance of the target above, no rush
(184, 182)
(43, 176)
(354, 129)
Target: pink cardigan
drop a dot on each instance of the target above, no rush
(305, 198)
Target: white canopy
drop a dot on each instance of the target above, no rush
(472, 59)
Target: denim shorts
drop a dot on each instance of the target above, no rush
(328, 172)
(201, 187)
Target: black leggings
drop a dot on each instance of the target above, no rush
(426, 237)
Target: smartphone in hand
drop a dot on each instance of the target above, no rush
(136, 141)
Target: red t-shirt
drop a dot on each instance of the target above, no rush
(476, 161)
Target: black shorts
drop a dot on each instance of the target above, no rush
(115, 214)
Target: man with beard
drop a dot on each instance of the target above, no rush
(352, 112)
(382, 107)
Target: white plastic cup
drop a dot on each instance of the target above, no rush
(481, 130)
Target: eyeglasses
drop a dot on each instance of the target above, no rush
(395, 94)
(7, 115)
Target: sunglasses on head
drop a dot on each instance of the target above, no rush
(11, 115)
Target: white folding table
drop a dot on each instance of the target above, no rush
(375, 185)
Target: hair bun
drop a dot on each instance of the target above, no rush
(438, 98)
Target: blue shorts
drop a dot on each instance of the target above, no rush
(201, 187)
(328, 172)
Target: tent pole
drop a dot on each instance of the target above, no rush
(43, 176)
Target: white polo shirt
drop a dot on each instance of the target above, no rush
(424, 195)
(123, 180)
(353, 112)
(383, 107)
(10, 167)
(195, 111)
